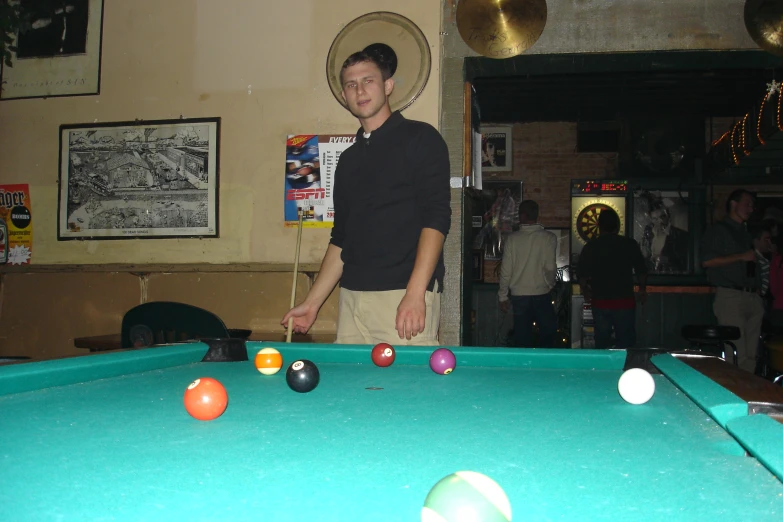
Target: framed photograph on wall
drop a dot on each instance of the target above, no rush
(661, 226)
(142, 179)
(59, 54)
(498, 207)
(496, 148)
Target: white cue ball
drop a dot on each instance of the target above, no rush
(636, 386)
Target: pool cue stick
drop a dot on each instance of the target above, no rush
(296, 271)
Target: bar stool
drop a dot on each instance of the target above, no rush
(712, 336)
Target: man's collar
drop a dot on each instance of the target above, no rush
(732, 223)
(392, 121)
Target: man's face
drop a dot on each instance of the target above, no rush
(659, 217)
(364, 90)
(763, 243)
(744, 207)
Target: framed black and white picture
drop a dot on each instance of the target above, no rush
(661, 227)
(58, 52)
(128, 180)
(496, 148)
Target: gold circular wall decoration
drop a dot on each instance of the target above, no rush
(384, 31)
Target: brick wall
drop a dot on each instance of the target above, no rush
(545, 159)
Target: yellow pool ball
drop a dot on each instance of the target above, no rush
(268, 361)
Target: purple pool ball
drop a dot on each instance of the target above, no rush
(442, 361)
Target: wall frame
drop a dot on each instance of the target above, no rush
(496, 148)
(647, 194)
(60, 55)
(141, 179)
(662, 227)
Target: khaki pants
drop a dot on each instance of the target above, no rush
(369, 318)
(744, 310)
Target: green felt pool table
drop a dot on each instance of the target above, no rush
(106, 437)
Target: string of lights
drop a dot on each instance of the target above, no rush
(738, 139)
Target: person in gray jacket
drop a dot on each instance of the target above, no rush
(527, 275)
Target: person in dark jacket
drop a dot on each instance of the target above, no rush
(392, 214)
(606, 269)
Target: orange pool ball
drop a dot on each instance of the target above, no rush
(268, 361)
(206, 399)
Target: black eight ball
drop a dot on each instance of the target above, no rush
(302, 376)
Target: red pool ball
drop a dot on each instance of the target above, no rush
(383, 354)
(206, 399)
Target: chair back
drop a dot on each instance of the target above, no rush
(161, 322)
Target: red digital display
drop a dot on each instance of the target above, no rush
(599, 187)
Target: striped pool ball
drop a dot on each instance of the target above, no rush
(443, 361)
(382, 354)
(268, 361)
(466, 496)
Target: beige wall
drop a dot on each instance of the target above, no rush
(42, 313)
(259, 65)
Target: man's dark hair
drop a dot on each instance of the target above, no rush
(529, 209)
(608, 221)
(736, 196)
(362, 57)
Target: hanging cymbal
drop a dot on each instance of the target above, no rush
(764, 22)
(501, 28)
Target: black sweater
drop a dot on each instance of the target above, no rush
(610, 261)
(387, 189)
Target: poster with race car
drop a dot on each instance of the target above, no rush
(310, 163)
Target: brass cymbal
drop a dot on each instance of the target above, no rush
(764, 22)
(501, 28)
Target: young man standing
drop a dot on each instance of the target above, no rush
(607, 265)
(392, 214)
(731, 266)
(527, 272)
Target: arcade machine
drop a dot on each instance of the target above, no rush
(588, 199)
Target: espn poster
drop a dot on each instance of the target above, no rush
(310, 162)
(16, 211)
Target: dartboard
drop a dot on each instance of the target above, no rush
(587, 221)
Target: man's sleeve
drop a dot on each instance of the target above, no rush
(431, 158)
(506, 269)
(550, 260)
(338, 228)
